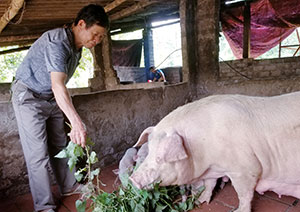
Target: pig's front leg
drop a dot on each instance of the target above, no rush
(207, 193)
(244, 187)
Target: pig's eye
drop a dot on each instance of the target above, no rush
(158, 160)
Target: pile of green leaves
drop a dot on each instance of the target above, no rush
(126, 198)
(159, 198)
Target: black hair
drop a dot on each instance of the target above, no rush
(93, 14)
(152, 67)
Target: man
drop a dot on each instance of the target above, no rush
(40, 96)
(158, 75)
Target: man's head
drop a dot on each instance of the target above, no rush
(93, 14)
(152, 69)
(90, 26)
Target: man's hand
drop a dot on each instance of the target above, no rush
(78, 134)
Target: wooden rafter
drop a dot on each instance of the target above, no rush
(18, 40)
(19, 37)
(295, 47)
(14, 50)
(10, 13)
(114, 5)
(131, 10)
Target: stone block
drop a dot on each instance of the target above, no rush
(263, 74)
(275, 73)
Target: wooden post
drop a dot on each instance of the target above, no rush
(105, 77)
(148, 49)
(247, 30)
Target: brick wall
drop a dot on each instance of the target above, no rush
(278, 68)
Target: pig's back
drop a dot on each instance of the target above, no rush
(234, 126)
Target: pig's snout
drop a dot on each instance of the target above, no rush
(143, 179)
(134, 182)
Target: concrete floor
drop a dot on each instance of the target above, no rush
(223, 201)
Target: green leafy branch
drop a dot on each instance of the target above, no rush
(125, 198)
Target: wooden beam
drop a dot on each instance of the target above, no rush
(18, 40)
(19, 43)
(135, 24)
(167, 24)
(114, 5)
(247, 30)
(12, 38)
(131, 10)
(10, 13)
(14, 50)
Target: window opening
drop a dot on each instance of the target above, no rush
(167, 44)
(83, 72)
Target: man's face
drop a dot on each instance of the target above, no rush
(91, 36)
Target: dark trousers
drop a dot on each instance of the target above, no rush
(42, 135)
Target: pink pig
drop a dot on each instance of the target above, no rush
(254, 141)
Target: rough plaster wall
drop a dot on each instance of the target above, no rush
(12, 165)
(114, 121)
(4, 91)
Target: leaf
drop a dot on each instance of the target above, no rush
(93, 158)
(183, 205)
(121, 192)
(72, 163)
(89, 142)
(139, 208)
(70, 148)
(145, 194)
(78, 151)
(156, 195)
(190, 204)
(132, 205)
(160, 208)
(62, 154)
(95, 173)
(78, 176)
(182, 191)
(80, 206)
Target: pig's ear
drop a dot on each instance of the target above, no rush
(172, 149)
(144, 137)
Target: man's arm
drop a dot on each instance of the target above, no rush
(63, 99)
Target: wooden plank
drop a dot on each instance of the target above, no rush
(113, 5)
(11, 12)
(131, 10)
(22, 37)
(14, 50)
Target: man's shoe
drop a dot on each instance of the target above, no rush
(77, 189)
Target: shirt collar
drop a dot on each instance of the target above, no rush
(71, 39)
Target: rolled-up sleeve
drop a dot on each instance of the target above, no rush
(56, 57)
